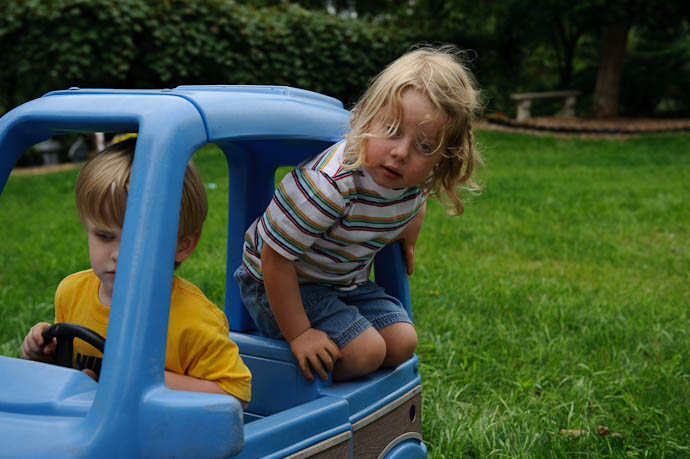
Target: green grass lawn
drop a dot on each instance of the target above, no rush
(556, 304)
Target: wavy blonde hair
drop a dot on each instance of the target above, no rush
(103, 186)
(441, 75)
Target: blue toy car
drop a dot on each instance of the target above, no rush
(52, 411)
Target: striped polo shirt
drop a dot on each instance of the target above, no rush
(330, 221)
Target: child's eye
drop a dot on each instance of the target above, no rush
(425, 148)
(104, 236)
(392, 130)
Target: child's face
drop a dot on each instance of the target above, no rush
(405, 159)
(104, 249)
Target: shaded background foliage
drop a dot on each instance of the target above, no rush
(336, 46)
(56, 44)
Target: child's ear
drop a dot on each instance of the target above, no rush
(186, 245)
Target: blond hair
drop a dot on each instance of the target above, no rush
(441, 76)
(103, 185)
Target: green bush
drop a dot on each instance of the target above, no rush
(56, 44)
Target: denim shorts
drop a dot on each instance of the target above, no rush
(342, 315)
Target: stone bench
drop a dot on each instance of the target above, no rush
(524, 102)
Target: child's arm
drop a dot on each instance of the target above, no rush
(33, 347)
(310, 346)
(409, 236)
(177, 381)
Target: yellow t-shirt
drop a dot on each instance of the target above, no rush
(198, 343)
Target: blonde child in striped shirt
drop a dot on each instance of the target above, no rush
(305, 269)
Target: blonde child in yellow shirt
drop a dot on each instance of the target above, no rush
(200, 356)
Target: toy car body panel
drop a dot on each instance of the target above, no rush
(47, 410)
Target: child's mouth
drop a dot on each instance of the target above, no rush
(390, 172)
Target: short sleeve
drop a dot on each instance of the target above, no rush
(215, 357)
(305, 204)
(199, 344)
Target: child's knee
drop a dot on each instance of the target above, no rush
(366, 352)
(373, 352)
(401, 342)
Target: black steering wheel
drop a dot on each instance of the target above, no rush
(65, 332)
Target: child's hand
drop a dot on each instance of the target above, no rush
(409, 236)
(90, 373)
(33, 347)
(314, 348)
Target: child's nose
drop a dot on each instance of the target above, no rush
(400, 150)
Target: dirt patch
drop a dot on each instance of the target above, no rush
(587, 127)
(39, 170)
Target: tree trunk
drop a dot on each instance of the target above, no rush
(607, 90)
